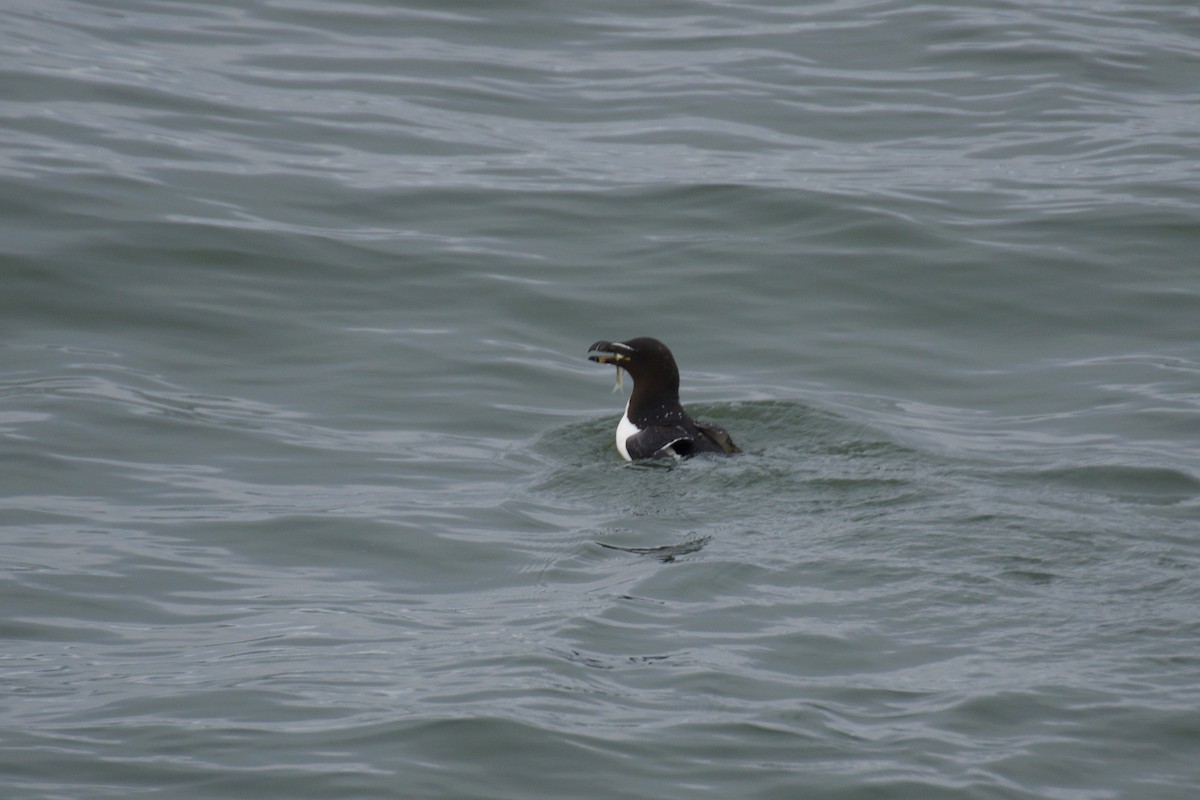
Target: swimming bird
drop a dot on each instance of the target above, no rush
(654, 424)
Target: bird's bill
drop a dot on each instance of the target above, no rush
(609, 352)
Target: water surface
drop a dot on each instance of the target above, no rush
(308, 489)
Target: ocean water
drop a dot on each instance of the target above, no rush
(307, 489)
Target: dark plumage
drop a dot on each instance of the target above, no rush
(655, 424)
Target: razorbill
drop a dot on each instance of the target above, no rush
(654, 424)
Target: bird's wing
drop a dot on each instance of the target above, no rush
(659, 441)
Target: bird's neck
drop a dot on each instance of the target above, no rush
(651, 404)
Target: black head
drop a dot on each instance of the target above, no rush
(648, 362)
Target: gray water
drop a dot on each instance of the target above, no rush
(305, 479)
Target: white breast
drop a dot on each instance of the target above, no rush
(625, 429)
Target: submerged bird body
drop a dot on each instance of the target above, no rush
(654, 424)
